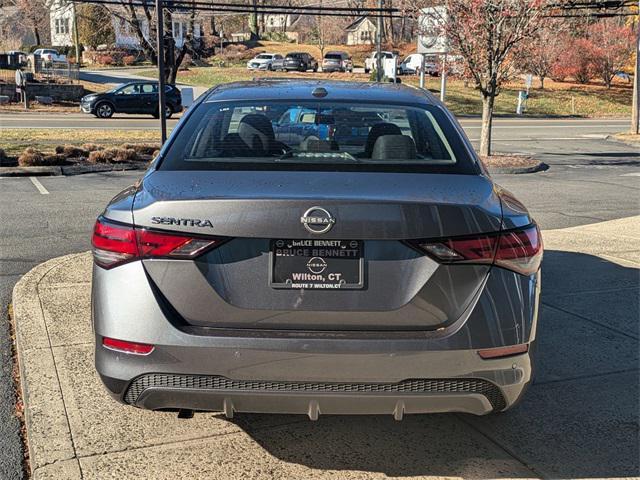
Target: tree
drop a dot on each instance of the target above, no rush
(611, 47)
(94, 25)
(485, 33)
(574, 60)
(141, 19)
(34, 16)
(540, 54)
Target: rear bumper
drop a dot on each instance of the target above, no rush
(312, 372)
(495, 386)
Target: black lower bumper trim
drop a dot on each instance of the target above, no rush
(219, 384)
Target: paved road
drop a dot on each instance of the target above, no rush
(505, 129)
(589, 180)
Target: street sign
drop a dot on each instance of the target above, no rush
(431, 35)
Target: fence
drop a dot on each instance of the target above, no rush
(55, 72)
(44, 72)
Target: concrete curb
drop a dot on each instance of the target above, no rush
(540, 167)
(29, 171)
(68, 170)
(48, 442)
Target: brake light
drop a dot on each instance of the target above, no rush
(115, 244)
(127, 347)
(519, 250)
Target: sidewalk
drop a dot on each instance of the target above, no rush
(579, 419)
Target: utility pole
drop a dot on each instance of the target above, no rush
(76, 36)
(635, 109)
(161, 83)
(379, 43)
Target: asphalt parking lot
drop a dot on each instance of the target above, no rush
(579, 420)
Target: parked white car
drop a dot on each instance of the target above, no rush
(412, 64)
(47, 56)
(263, 61)
(371, 61)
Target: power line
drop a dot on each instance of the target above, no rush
(244, 8)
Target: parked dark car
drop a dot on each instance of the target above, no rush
(337, 62)
(300, 61)
(134, 97)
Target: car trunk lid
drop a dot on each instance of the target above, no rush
(233, 285)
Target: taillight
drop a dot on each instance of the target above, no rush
(519, 250)
(115, 244)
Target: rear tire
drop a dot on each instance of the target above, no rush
(167, 113)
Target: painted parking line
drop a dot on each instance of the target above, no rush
(39, 186)
(632, 174)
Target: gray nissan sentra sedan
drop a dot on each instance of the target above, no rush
(316, 247)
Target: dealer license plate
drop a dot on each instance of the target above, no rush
(316, 264)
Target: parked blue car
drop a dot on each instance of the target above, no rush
(298, 124)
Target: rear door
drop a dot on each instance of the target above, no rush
(148, 98)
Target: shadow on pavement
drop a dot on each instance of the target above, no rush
(578, 420)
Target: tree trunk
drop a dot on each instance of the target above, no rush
(253, 22)
(542, 77)
(487, 120)
(36, 34)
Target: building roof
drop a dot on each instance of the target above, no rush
(301, 90)
(356, 24)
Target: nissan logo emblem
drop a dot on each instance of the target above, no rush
(317, 220)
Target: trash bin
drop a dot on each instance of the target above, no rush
(187, 96)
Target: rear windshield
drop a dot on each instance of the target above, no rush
(264, 56)
(333, 56)
(314, 135)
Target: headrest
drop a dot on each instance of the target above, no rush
(389, 147)
(377, 131)
(257, 132)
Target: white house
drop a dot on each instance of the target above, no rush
(61, 14)
(61, 22)
(361, 32)
(279, 22)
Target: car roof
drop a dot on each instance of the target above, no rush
(301, 90)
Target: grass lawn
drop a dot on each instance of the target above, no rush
(14, 141)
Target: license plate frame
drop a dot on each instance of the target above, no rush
(296, 257)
